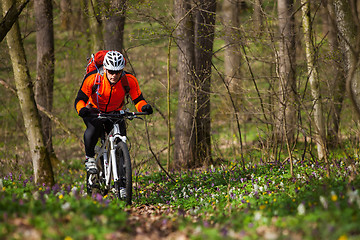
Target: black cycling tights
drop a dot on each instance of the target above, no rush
(95, 128)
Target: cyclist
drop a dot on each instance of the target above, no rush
(105, 91)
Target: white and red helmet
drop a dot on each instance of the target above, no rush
(114, 61)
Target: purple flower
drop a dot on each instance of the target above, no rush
(99, 197)
(56, 188)
(25, 182)
(206, 224)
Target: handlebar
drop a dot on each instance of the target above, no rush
(120, 115)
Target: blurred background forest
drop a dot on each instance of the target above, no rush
(264, 97)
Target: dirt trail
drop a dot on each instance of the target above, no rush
(151, 222)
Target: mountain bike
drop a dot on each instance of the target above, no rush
(113, 160)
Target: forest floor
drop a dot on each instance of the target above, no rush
(262, 201)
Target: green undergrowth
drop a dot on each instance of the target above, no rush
(256, 201)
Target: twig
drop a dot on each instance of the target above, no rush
(152, 152)
(47, 113)
(148, 159)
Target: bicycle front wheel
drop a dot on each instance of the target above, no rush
(123, 187)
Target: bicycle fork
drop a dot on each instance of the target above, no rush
(112, 163)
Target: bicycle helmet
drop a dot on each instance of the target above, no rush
(114, 61)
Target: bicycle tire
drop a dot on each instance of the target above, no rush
(125, 172)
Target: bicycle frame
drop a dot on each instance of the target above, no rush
(112, 165)
(112, 152)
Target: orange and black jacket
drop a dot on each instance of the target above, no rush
(97, 91)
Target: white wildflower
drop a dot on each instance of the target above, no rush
(66, 206)
(257, 216)
(323, 202)
(353, 195)
(36, 195)
(301, 209)
(25, 196)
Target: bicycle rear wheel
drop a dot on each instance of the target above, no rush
(124, 170)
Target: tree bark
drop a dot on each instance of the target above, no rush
(347, 23)
(232, 54)
(286, 117)
(258, 16)
(10, 18)
(65, 14)
(204, 39)
(45, 65)
(314, 81)
(114, 25)
(337, 85)
(41, 162)
(184, 125)
(95, 23)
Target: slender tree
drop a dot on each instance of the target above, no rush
(10, 18)
(95, 23)
(45, 65)
(41, 162)
(336, 84)
(65, 14)
(232, 52)
(258, 16)
(314, 80)
(286, 117)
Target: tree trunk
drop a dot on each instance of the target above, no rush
(65, 13)
(314, 81)
(204, 39)
(114, 25)
(10, 18)
(232, 54)
(41, 162)
(184, 129)
(95, 23)
(45, 66)
(337, 84)
(258, 16)
(347, 23)
(286, 117)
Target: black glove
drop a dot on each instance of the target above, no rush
(147, 108)
(84, 112)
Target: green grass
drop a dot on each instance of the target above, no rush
(224, 202)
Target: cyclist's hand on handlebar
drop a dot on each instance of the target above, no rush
(84, 112)
(147, 108)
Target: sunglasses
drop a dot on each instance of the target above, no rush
(114, 72)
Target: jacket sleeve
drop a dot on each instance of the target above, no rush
(135, 92)
(84, 93)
